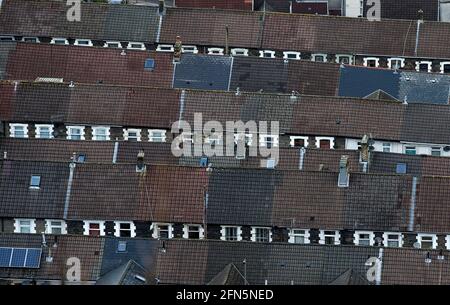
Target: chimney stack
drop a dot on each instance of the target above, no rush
(420, 14)
(140, 166)
(344, 176)
(177, 49)
(161, 8)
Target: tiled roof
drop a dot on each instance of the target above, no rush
(407, 9)
(221, 4)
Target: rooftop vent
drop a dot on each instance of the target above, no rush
(49, 80)
(177, 49)
(343, 178)
(140, 166)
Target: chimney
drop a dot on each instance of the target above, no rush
(161, 8)
(344, 176)
(365, 149)
(140, 166)
(177, 50)
(420, 14)
(226, 40)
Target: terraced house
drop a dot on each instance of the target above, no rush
(89, 172)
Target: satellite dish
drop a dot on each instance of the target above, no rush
(446, 148)
(416, 245)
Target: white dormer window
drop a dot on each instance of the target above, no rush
(60, 41)
(157, 135)
(136, 46)
(364, 238)
(268, 141)
(372, 62)
(18, 130)
(325, 142)
(162, 230)
(83, 42)
(319, 57)
(164, 48)
(191, 231)
(215, 51)
(113, 44)
(213, 139)
(248, 138)
(396, 63)
(445, 67)
(427, 241)
(44, 131)
(291, 55)
(328, 237)
(299, 141)
(75, 132)
(7, 38)
(100, 133)
(94, 228)
(124, 229)
(447, 242)
(298, 236)
(189, 49)
(31, 39)
(393, 240)
(344, 59)
(231, 233)
(22, 225)
(55, 226)
(132, 135)
(423, 66)
(239, 52)
(261, 234)
(267, 54)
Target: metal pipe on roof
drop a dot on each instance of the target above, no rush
(419, 22)
(302, 158)
(413, 205)
(116, 150)
(72, 166)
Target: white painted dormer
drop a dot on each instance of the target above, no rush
(396, 63)
(267, 54)
(113, 44)
(445, 67)
(239, 52)
(189, 49)
(215, 51)
(136, 46)
(83, 42)
(319, 57)
(344, 59)
(291, 55)
(59, 41)
(371, 62)
(424, 66)
(164, 48)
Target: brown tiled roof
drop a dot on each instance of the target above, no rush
(221, 4)
(408, 9)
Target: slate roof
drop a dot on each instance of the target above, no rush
(424, 87)
(407, 9)
(246, 5)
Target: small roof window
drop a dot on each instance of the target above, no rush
(35, 182)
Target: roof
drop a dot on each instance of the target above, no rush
(221, 4)
(407, 9)
(350, 277)
(230, 275)
(424, 87)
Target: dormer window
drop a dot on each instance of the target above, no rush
(192, 231)
(94, 228)
(319, 57)
(100, 133)
(44, 131)
(410, 150)
(291, 55)
(436, 151)
(132, 135)
(75, 132)
(164, 48)
(364, 238)
(445, 67)
(267, 54)
(261, 235)
(112, 44)
(7, 38)
(231, 233)
(83, 42)
(299, 141)
(18, 130)
(248, 138)
(31, 39)
(189, 49)
(268, 141)
(427, 241)
(136, 46)
(24, 225)
(59, 41)
(328, 237)
(373, 62)
(55, 226)
(215, 51)
(162, 231)
(423, 66)
(124, 229)
(298, 236)
(239, 52)
(344, 59)
(35, 182)
(325, 142)
(157, 135)
(396, 63)
(393, 240)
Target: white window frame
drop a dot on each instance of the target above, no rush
(253, 232)
(31, 37)
(17, 226)
(107, 44)
(49, 227)
(424, 62)
(385, 145)
(126, 133)
(447, 242)
(293, 138)
(215, 51)
(87, 224)
(331, 139)
(7, 38)
(293, 235)
(38, 128)
(434, 237)
(357, 237)
(339, 56)
(33, 186)
(443, 64)
(325, 57)
(130, 43)
(223, 232)
(201, 231)
(13, 127)
(337, 236)
(407, 147)
(69, 135)
(297, 55)
(367, 59)
(386, 239)
(215, 137)
(390, 60)
(189, 49)
(434, 148)
(269, 52)
(152, 137)
(248, 138)
(165, 48)
(89, 43)
(117, 228)
(95, 134)
(53, 41)
(263, 140)
(239, 52)
(156, 226)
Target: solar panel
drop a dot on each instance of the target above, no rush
(20, 257)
